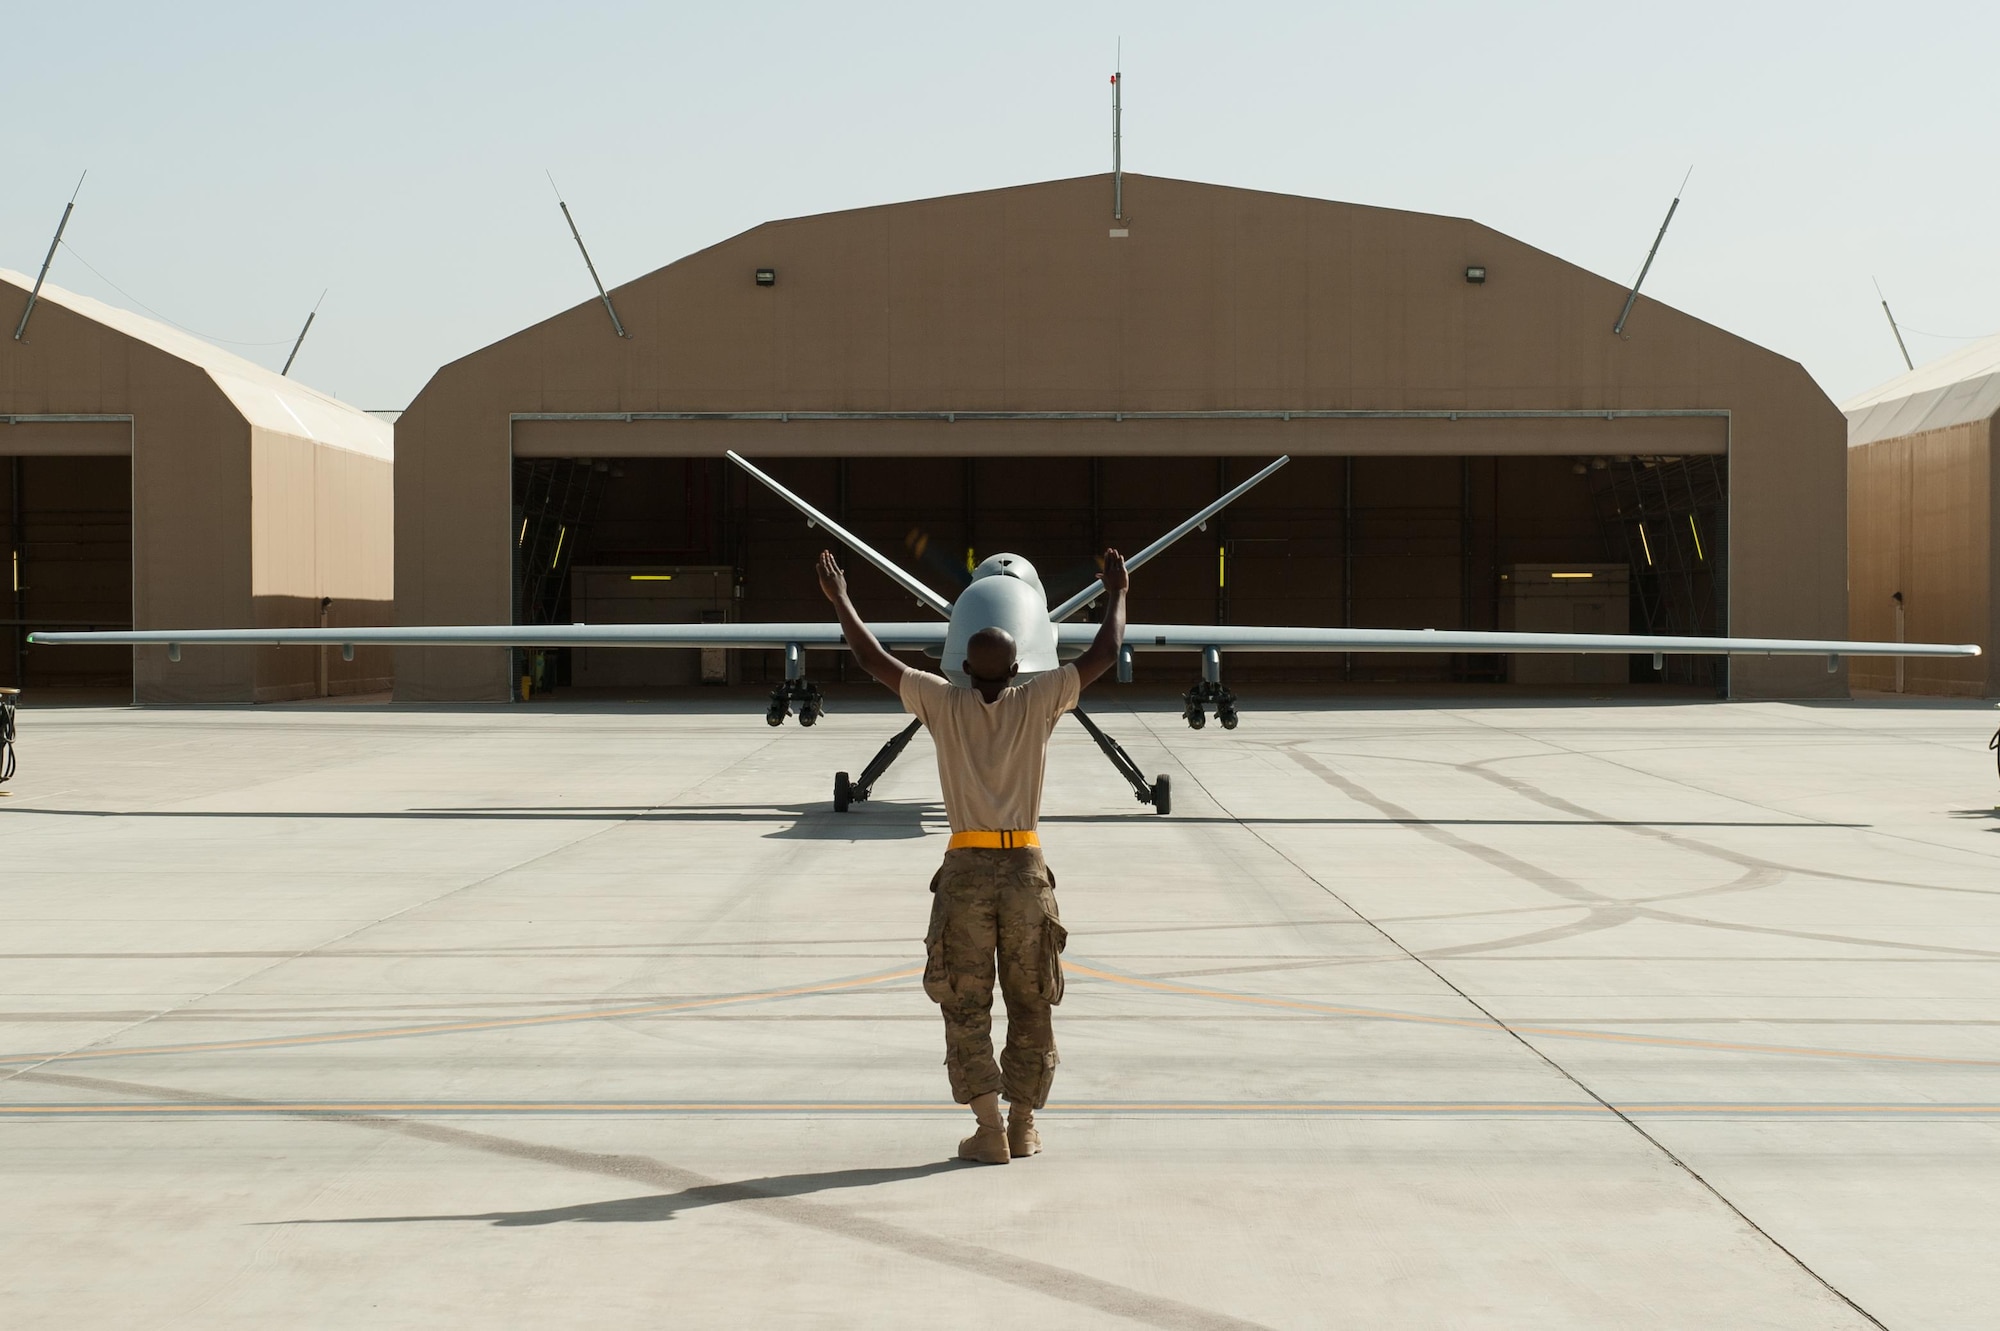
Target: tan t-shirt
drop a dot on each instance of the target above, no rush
(991, 755)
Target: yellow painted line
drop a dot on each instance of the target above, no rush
(455, 1027)
(1555, 1032)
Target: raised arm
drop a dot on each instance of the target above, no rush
(867, 648)
(1102, 653)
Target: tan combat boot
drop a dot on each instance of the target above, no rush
(988, 1143)
(1022, 1139)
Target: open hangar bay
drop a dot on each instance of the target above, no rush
(1019, 369)
(1479, 1015)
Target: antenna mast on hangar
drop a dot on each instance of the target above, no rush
(1117, 146)
(310, 316)
(1618, 329)
(1908, 364)
(617, 326)
(21, 329)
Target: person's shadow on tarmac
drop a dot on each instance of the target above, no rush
(665, 1206)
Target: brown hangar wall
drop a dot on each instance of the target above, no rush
(1218, 300)
(230, 522)
(1921, 523)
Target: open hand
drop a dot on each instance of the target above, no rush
(1116, 579)
(832, 582)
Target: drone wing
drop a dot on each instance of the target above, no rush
(1254, 638)
(925, 636)
(1096, 589)
(814, 518)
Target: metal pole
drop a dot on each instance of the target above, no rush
(21, 329)
(1899, 638)
(1908, 364)
(1347, 562)
(302, 336)
(1221, 547)
(1117, 149)
(15, 539)
(602, 294)
(1633, 295)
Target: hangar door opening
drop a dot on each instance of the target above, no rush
(68, 538)
(622, 541)
(1559, 542)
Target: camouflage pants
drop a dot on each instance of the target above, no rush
(988, 904)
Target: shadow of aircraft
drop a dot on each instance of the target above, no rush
(876, 821)
(665, 1206)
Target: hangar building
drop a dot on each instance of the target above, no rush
(1018, 369)
(150, 479)
(1922, 494)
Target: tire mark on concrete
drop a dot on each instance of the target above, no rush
(1603, 906)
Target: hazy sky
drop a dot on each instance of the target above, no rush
(243, 157)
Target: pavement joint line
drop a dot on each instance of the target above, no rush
(458, 1027)
(445, 895)
(1042, 1278)
(1083, 1108)
(1495, 1025)
(1575, 1080)
(1074, 967)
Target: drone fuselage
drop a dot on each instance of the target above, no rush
(1005, 593)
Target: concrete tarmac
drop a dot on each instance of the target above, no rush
(1435, 1014)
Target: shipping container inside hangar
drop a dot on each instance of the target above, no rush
(1021, 370)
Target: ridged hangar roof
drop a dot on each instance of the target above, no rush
(266, 399)
(1952, 390)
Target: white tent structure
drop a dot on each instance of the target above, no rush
(1958, 389)
(149, 479)
(1923, 492)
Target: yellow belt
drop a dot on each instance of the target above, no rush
(994, 840)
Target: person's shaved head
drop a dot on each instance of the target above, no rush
(989, 656)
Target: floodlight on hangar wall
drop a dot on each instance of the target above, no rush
(1475, 273)
(767, 277)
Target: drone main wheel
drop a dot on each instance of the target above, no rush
(843, 792)
(1163, 796)
(1228, 718)
(1196, 718)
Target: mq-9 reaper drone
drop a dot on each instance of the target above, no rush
(1005, 592)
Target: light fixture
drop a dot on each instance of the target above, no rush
(1475, 273)
(767, 277)
(1572, 575)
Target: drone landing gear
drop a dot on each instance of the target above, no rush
(847, 792)
(1208, 692)
(1160, 794)
(1204, 694)
(801, 691)
(796, 689)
